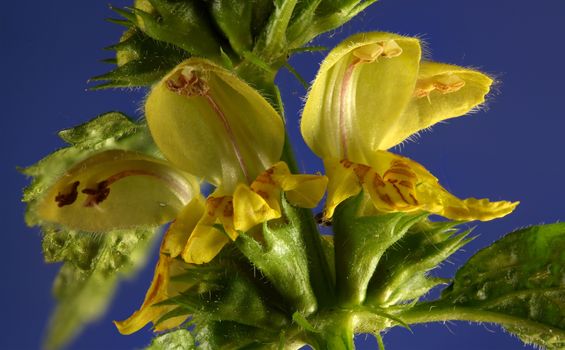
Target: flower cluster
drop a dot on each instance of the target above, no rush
(372, 92)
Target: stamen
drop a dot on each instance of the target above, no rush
(96, 195)
(102, 190)
(395, 188)
(444, 83)
(63, 199)
(188, 82)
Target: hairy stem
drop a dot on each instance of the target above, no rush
(429, 312)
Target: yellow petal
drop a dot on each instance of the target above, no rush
(206, 241)
(161, 289)
(361, 89)
(179, 231)
(212, 124)
(442, 92)
(343, 184)
(302, 190)
(305, 190)
(398, 184)
(204, 244)
(251, 209)
(117, 190)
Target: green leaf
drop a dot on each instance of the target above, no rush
(273, 41)
(180, 339)
(227, 289)
(359, 244)
(141, 61)
(317, 17)
(185, 24)
(521, 278)
(401, 275)
(213, 335)
(234, 17)
(93, 266)
(282, 258)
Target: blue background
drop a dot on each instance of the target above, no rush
(512, 151)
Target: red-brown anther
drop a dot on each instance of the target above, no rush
(228, 209)
(96, 195)
(263, 194)
(213, 204)
(361, 170)
(265, 178)
(193, 85)
(346, 163)
(63, 199)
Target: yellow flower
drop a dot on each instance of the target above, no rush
(208, 124)
(118, 190)
(371, 93)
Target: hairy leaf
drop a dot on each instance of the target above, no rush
(401, 273)
(282, 258)
(141, 61)
(227, 289)
(184, 24)
(176, 340)
(360, 242)
(521, 278)
(93, 265)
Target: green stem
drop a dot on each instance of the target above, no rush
(429, 313)
(336, 333)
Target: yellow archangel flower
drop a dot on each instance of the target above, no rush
(371, 93)
(209, 125)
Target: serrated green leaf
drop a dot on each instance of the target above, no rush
(234, 17)
(359, 244)
(230, 290)
(213, 335)
(141, 61)
(180, 339)
(522, 278)
(401, 273)
(283, 259)
(181, 23)
(86, 283)
(329, 14)
(262, 10)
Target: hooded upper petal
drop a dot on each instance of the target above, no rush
(207, 121)
(361, 89)
(117, 190)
